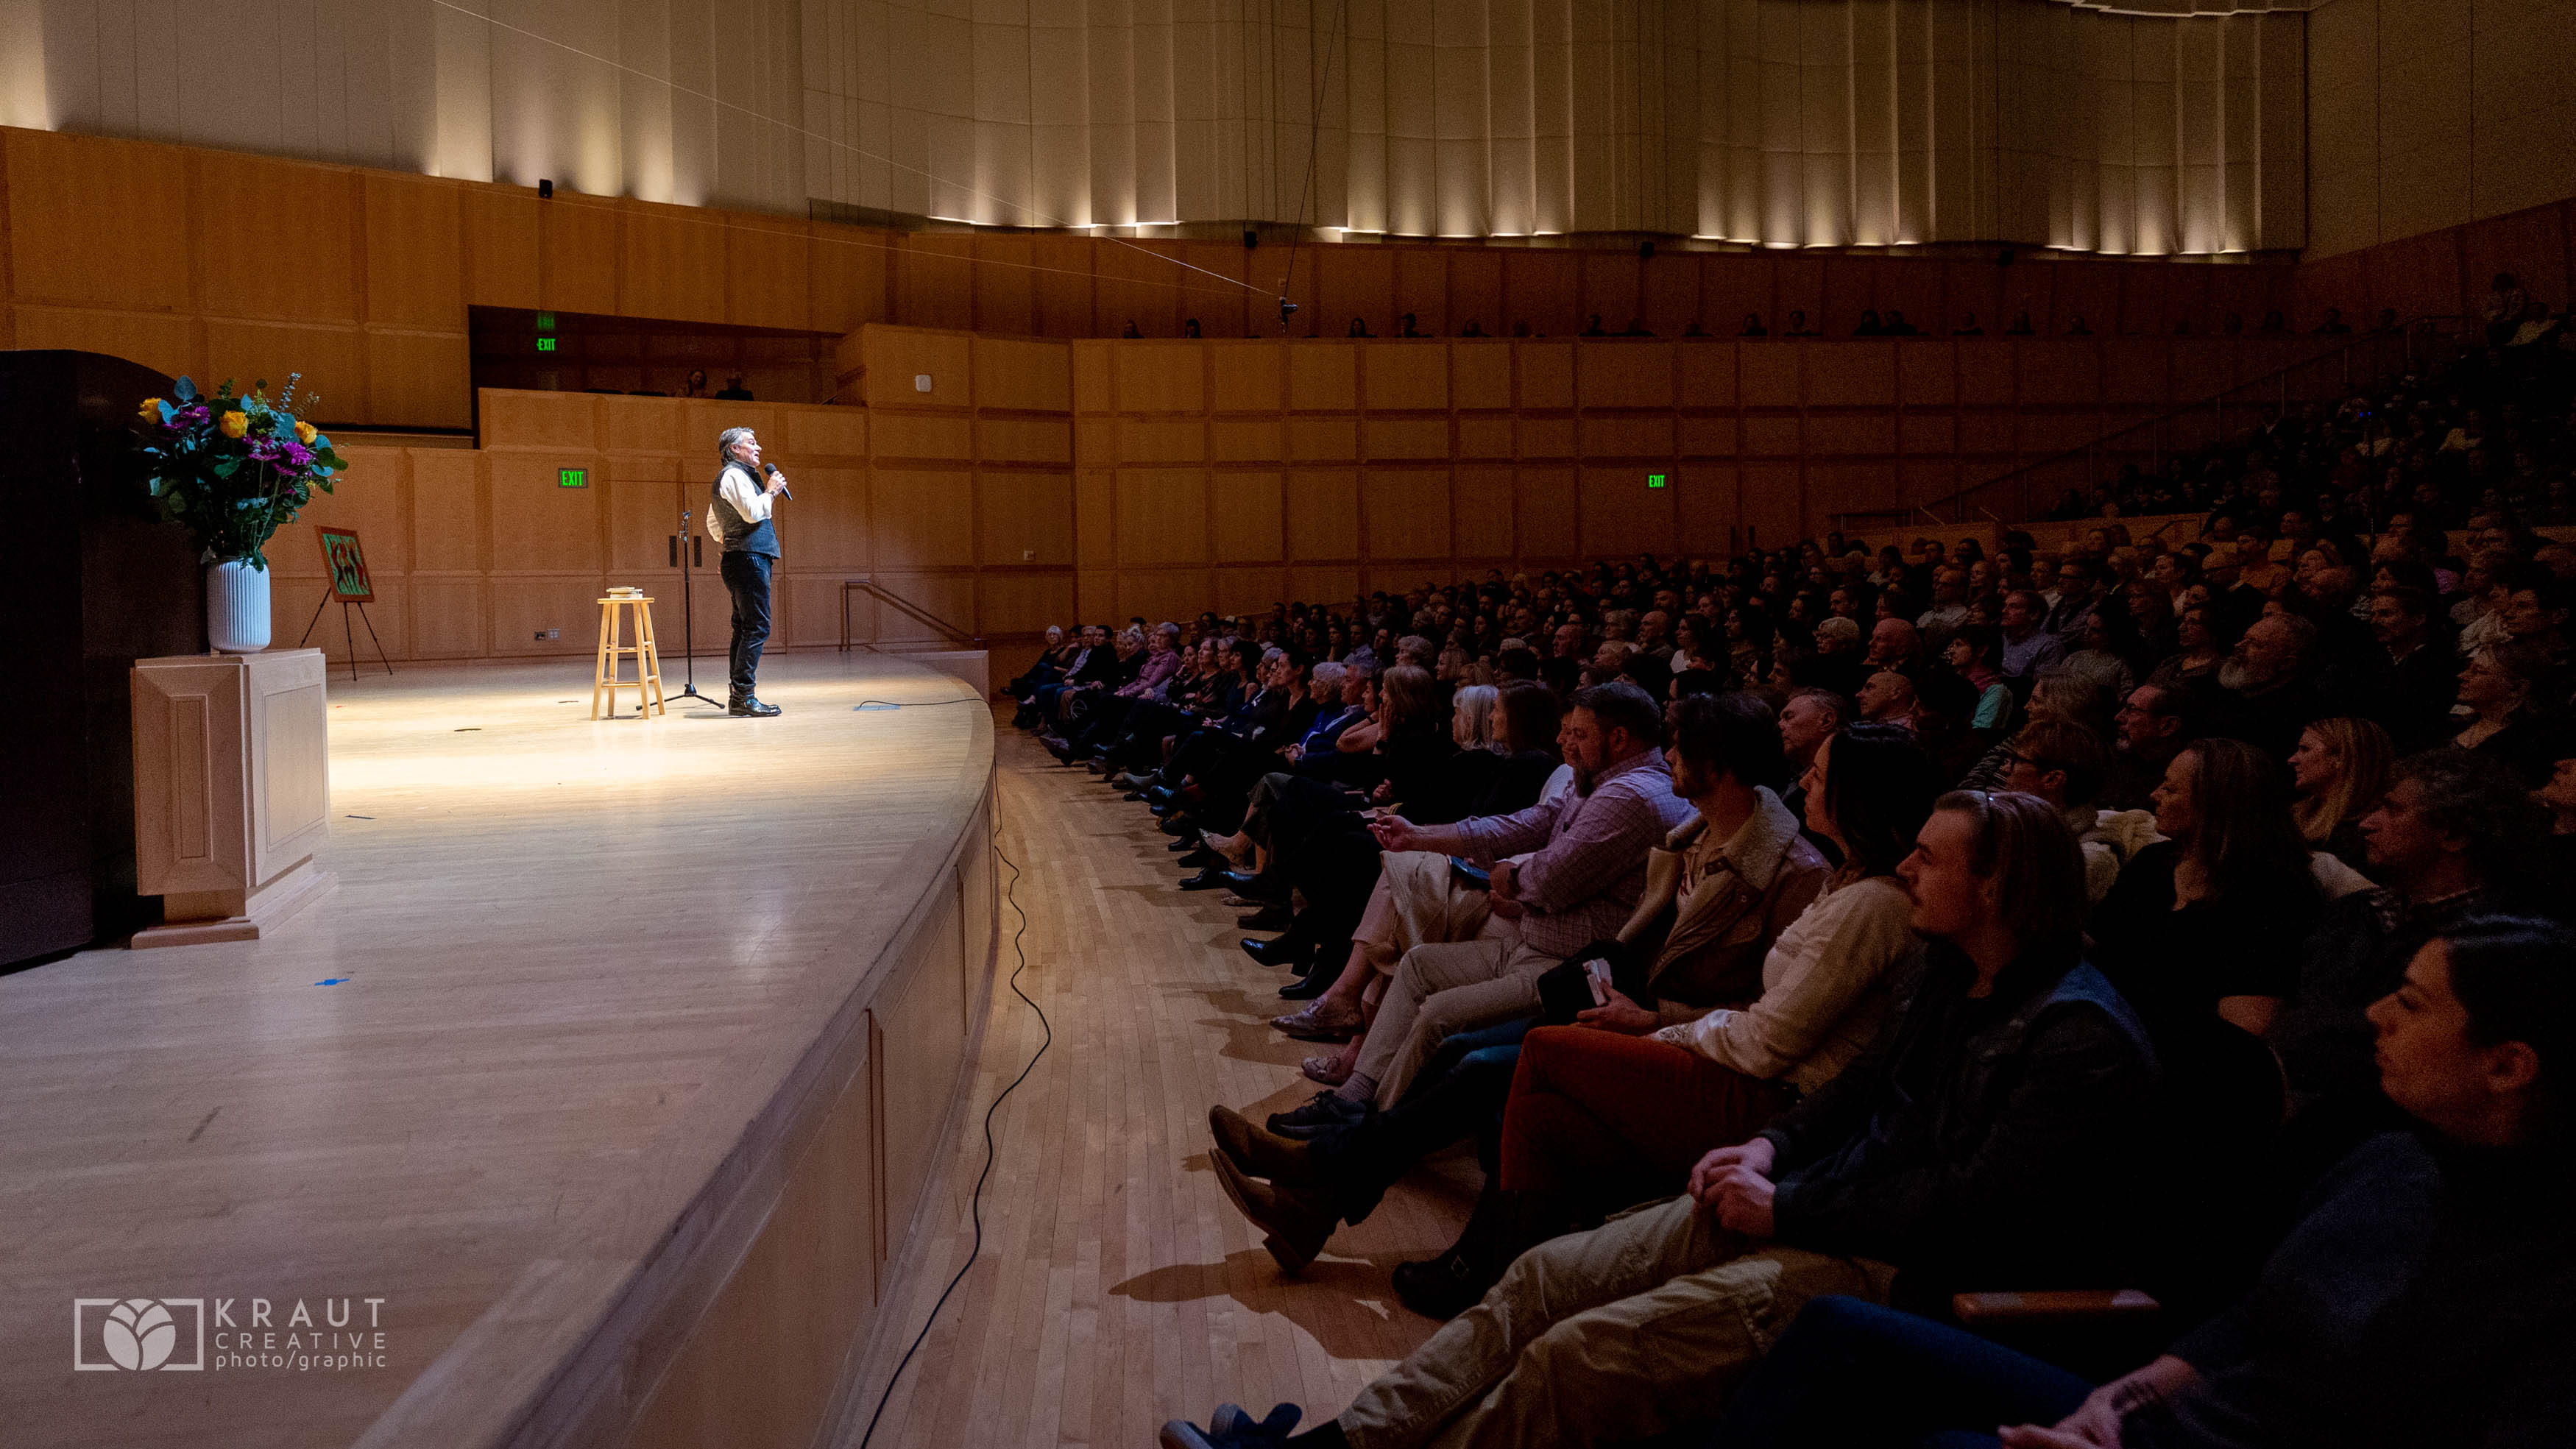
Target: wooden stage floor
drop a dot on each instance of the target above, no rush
(568, 958)
(1117, 1287)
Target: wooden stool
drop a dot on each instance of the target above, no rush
(648, 660)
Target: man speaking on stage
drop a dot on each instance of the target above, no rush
(739, 517)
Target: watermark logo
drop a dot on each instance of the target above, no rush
(140, 1334)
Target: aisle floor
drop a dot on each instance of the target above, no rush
(1117, 1287)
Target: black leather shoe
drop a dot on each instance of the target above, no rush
(1180, 845)
(1162, 794)
(1179, 825)
(1268, 918)
(1326, 1111)
(750, 707)
(1200, 858)
(1444, 1287)
(1272, 953)
(1304, 988)
(1206, 880)
(1269, 890)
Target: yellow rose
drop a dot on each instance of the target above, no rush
(236, 424)
(151, 410)
(305, 434)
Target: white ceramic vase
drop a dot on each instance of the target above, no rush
(236, 607)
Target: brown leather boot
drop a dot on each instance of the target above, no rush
(1297, 1223)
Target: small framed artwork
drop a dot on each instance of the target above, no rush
(348, 566)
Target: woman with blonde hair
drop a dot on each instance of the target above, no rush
(2339, 771)
(2505, 723)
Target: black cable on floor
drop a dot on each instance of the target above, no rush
(976, 1202)
(914, 704)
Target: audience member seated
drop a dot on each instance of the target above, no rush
(2558, 853)
(2415, 703)
(1725, 883)
(1887, 697)
(2150, 732)
(2029, 649)
(2063, 763)
(2209, 919)
(2421, 1301)
(2454, 837)
(2264, 695)
(1383, 905)
(1975, 653)
(1092, 720)
(1617, 1107)
(1052, 657)
(1585, 871)
(2505, 723)
(2339, 771)
(1986, 1136)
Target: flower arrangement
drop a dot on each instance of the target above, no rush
(233, 468)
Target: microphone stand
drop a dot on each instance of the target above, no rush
(681, 548)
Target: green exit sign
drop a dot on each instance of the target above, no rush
(1654, 480)
(545, 344)
(572, 477)
(545, 321)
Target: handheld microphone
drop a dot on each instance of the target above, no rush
(770, 470)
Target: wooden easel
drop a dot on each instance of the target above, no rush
(345, 606)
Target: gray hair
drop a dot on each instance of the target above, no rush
(725, 441)
(1475, 706)
(1327, 675)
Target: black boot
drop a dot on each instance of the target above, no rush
(1503, 1226)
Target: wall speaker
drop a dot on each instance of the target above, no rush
(1251, 238)
(1645, 251)
(545, 190)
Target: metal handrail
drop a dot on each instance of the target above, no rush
(2150, 441)
(870, 585)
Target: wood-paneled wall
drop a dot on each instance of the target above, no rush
(222, 265)
(1233, 474)
(2446, 272)
(1003, 484)
(2425, 115)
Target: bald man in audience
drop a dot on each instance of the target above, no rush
(1888, 698)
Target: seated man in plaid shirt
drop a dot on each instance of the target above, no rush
(1585, 876)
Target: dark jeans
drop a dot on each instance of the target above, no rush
(746, 576)
(1459, 1093)
(1852, 1372)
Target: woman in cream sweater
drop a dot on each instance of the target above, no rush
(1616, 1108)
